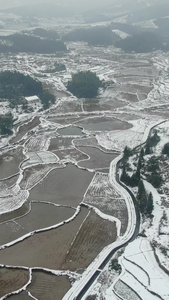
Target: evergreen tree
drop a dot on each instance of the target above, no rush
(148, 149)
(141, 159)
(152, 141)
(135, 177)
(155, 138)
(142, 197)
(150, 205)
(124, 176)
(127, 152)
(84, 85)
(166, 149)
(6, 124)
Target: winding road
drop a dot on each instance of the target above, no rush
(81, 286)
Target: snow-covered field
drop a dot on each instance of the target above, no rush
(137, 93)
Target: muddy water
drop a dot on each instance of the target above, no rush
(16, 213)
(104, 124)
(46, 249)
(42, 215)
(98, 159)
(63, 186)
(71, 130)
(10, 161)
(103, 104)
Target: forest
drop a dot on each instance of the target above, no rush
(84, 85)
(96, 36)
(14, 86)
(26, 43)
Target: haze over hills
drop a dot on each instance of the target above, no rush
(46, 9)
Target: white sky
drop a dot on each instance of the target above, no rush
(82, 3)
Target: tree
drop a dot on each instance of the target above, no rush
(6, 124)
(152, 142)
(166, 149)
(124, 176)
(47, 99)
(154, 176)
(141, 159)
(84, 84)
(127, 152)
(15, 86)
(155, 179)
(142, 197)
(135, 178)
(150, 205)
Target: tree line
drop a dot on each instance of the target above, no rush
(15, 86)
(27, 43)
(147, 167)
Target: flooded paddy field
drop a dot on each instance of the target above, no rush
(15, 213)
(77, 133)
(69, 119)
(105, 102)
(52, 245)
(103, 124)
(70, 131)
(97, 158)
(91, 142)
(56, 187)
(10, 162)
(40, 216)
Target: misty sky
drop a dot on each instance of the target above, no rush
(79, 3)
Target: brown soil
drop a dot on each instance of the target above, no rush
(45, 286)
(47, 249)
(22, 296)
(12, 280)
(94, 235)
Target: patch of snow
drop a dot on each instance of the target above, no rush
(121, 34)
